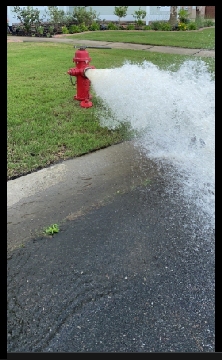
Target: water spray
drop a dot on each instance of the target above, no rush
(173, 113)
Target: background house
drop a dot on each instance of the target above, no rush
(153, 13)
(203, 11)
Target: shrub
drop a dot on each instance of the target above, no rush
(165, 26)
(83, 27)
(161, 25)
(95, 26)
(192, 26)
(57, 16)
(182, 26)
(139, 16)
(40, 30)
(199, 22)
(208, 22)
(183, 16)
(130, 27)
(81, 15)
(27, 16)
(120, 12)
(68, 20)
(74, 29)
(112, 26)
(65, 30)
(156, 25)
(147, 27)
(51, 29)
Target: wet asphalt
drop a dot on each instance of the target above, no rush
(131, 269)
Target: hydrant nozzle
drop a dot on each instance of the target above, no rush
(87, 68)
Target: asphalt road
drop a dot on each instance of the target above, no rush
(131, 269)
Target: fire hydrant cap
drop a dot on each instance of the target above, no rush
(81, 55)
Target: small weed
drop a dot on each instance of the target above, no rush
(52, 229)
(146, 182)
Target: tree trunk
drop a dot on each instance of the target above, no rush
(173, 15)
(199, 11)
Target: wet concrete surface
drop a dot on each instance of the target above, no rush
(129, 271)
(71, 188)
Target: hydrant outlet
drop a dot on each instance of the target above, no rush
(87, 68)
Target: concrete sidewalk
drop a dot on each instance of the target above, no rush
(70, 189)
(117, 45)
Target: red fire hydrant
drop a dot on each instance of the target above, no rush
(82, 60)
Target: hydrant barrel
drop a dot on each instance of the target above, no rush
(82, 84)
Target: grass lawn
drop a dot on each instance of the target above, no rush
(198, 39)
(44, 124)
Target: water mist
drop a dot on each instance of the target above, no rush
(173, 111)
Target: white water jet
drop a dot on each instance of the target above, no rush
(174, 111)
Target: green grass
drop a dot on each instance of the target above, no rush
(44, 124)
(198, 39)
